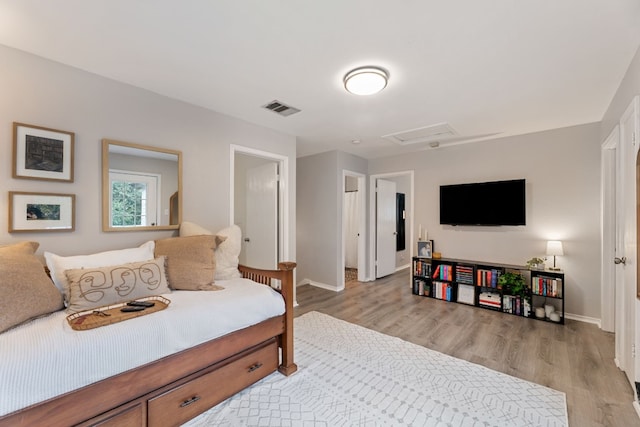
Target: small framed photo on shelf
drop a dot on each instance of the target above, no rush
(42, 153)
(425, 248)
(41, 212)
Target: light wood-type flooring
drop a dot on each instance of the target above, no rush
(576, 358)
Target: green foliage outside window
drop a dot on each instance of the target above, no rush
(127, 201)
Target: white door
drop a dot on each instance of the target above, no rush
(385, 227)
(260, 241)
(629, 153)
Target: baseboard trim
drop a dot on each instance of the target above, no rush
(402, 267)
(585, 319)
(319, 285)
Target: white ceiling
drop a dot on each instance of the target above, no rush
(493, 67)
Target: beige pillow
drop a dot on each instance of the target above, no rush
(191, 263)
(26, 291)
(99, 286)
(227, 252)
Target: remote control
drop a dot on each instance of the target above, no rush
(141, 303)
(132, 308)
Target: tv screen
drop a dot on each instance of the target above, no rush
(483, 203)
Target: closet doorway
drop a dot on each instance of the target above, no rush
(353, 228)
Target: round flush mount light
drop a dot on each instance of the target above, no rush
(365, 80)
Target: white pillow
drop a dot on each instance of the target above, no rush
(58, 264)
(227, 253)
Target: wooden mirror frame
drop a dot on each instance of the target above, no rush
(175, 204)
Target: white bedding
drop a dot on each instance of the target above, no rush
(45, 357)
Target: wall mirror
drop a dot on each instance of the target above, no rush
(141, 187)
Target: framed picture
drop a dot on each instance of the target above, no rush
(425, 248)
(42, 153)
(41, 212)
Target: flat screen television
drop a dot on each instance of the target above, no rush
(483, 203)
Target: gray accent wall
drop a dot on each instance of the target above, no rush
(319, 224)
(562, 170)
(45, 93)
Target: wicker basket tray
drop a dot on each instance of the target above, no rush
(110, 314)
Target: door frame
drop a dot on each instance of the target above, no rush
(609, 208)
(283, 192)
(361, 227)
(371, 259)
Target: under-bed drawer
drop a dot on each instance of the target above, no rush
(196, 396)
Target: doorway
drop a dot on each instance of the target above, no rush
(353, 228)
(405, 184)
(627, 240)
(259, 205)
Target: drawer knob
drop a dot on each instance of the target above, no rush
(188, 402)
(255, 366)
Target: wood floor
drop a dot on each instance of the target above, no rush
(576, 358)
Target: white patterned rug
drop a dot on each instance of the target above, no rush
(352, 376)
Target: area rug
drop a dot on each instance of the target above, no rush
(352, 376)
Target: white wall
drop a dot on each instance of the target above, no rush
(41, 92)
(562, 169)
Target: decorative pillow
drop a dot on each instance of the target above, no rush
(227, 252)
(99, 286)
(190, 229)
(26, 291)
(58, 264)
(191, 263)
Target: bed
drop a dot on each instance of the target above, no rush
(192, 355)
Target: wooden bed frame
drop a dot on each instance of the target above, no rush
(199, 377)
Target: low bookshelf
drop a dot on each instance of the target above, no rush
(477, 284)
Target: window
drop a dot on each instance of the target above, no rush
(133, 198)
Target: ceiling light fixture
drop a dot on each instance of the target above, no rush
(366, 80)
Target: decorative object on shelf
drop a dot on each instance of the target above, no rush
(366, 80)
(423, 234)
(540, 312)
(425, 249)
(554, 248)
(42, 153)
(549, 310)
(536, 263)
(41, 211)
(437, 255)
(512, 283)
(554, 317)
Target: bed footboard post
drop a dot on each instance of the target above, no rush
(287, 367)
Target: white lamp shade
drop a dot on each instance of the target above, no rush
(554, 247)
(365, 80)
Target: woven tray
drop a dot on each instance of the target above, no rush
(110, 314)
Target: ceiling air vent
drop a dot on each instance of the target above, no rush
(437, 132)
(280, 108)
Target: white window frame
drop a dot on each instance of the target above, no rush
(153, 181)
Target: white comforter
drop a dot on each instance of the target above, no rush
(45, 357)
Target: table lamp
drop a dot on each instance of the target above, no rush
(554, 247)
